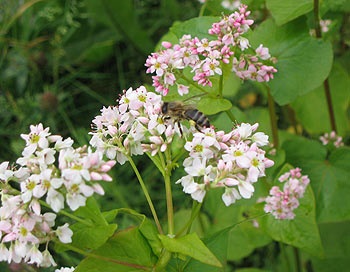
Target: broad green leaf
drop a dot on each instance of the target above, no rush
(307, 107)
(91, 211)
(331, 234)
(91, 237)
(209, 105)
(128, 251)
(146, 227)
(260, 115)
(120, 16)
(243, 237)
(199, 225)
(230, 82)
(329, 176)
(287, 10)
(95, 231)
(331, 264)
(336, 241)
(190, 245)
(223, 122)
(302, 231)
(217, 243)
(196, 27)
(303, 63)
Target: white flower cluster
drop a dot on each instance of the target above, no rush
(133, 127)
(51, 171)
(231, 160)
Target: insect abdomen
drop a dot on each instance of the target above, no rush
(198, 117)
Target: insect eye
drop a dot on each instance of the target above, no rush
(165, 108)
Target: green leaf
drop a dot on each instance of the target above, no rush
(317, 121)
(209, 105)
(91, 211)
(146, 227)
(91, 237)
(196, 27)
(217, 243)
(329, 176)
(336, 241)
(223, 122)
(190, 245)
(287, 10)
(96, 231)
(302, 231)
(128, 251)
(303, 63)
(243, 237)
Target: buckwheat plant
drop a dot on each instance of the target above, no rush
(204, 57)
(50, 174)
(281, 203)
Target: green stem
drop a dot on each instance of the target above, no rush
(169, 204)
(157, 162)
(68, 214)
(231, 116)
(273, 118)
(297, 259)
(190, 82)
(76, 218)
(112, 260)
(326, 82)
(196, 207)
(168, 193)
(327, 92)
(201, 12)
(221, 81)
(285, 256)
(145, 191)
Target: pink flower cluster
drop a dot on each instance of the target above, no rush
(252, 66)
(282, 203)
(204, 57)
(231, 160)
(133, 127)
(332, 138)
(51, 170)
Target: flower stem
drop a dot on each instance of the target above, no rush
(273, 118)
(168, 193)
(68, 214)
(194, 85)
(297, 259)
(326, 82)
(231, 116)
(145, 191)
(196, 207)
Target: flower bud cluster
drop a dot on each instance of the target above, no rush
(51, 172)
(282, 203)
(132, 127)
(204, 57)
(332, 138)
(233, 161)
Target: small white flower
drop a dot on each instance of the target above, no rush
(64, 233)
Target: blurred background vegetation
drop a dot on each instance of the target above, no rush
(62, 60)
